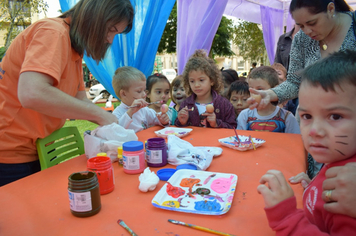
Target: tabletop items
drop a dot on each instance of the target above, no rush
(199, 228)
(199, 192)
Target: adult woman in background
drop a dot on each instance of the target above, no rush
(327, 27)
(41, 81)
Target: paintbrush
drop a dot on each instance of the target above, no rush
(253, 145)
(199, 228)
(158, 102)
(191, 109)
(237, 137)
(122, 223)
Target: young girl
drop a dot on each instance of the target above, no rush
(158, 92)
(202, 81)
(177, 95)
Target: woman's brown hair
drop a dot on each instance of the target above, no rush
(90, 21)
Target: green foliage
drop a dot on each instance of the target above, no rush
(221, 44)
(168, 40)
(16, 16)
(249, 39)
(2, 52)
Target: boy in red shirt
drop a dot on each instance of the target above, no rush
(328, 126)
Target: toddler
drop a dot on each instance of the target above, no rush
(238, 94)
(177, 95)
(328, 125)
(271, 118)
(129, 85)
(202, 81)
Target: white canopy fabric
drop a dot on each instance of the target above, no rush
(249, 10)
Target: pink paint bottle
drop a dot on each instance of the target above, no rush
(133, 157)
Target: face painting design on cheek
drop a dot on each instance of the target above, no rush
(341, 143)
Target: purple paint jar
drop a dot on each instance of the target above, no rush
(156, 152)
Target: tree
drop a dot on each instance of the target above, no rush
(221, 44)
(249, 39)
(16, 16)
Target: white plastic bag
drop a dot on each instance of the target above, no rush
(182, 152)
(107, 139)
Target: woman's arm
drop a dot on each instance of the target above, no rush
(36, 92)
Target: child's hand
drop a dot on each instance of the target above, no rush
(163, 118)
(301, 178)
(211, 118)
(183, 115)
(277, 190)
(135, 106)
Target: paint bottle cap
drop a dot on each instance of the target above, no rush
(165, 174)
(186, 166)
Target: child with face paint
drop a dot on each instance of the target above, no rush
(328, 126)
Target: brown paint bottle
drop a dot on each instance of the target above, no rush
(84, 194)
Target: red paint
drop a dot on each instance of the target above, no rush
(174, 191)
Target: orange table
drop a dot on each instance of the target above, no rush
(39, 205)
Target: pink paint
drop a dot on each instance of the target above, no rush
(312, 132)
(222, 185)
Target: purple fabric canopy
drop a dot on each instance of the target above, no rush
(198, 21)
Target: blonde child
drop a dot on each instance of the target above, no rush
(202, 81)
(271, 118)
(328, 125)
(130, 84)
(238, 94)
(281, 71)
(177, 95)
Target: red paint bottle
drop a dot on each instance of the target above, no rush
(102, 166)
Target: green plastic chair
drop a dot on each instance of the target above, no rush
(61, 145)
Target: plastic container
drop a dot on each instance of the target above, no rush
(102, 166)
(84, 194)
(156, 152)
(133, 157)
(166, 173)
(186, 166)
(119, 156)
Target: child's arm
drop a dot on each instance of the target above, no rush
(242, 120)
(163, 118)
(301, 178)
(183, 116)
(277, 189)
(136, 106)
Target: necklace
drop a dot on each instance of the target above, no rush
(324, 46)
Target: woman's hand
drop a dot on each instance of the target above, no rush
(277, 189)
(267, 96)
(183, 115)
(341, 180)
(301, 178)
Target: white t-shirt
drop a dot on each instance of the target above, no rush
(142, 119)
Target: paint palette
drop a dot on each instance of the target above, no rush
(179, 132)
(199, 192)
(244, 145)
